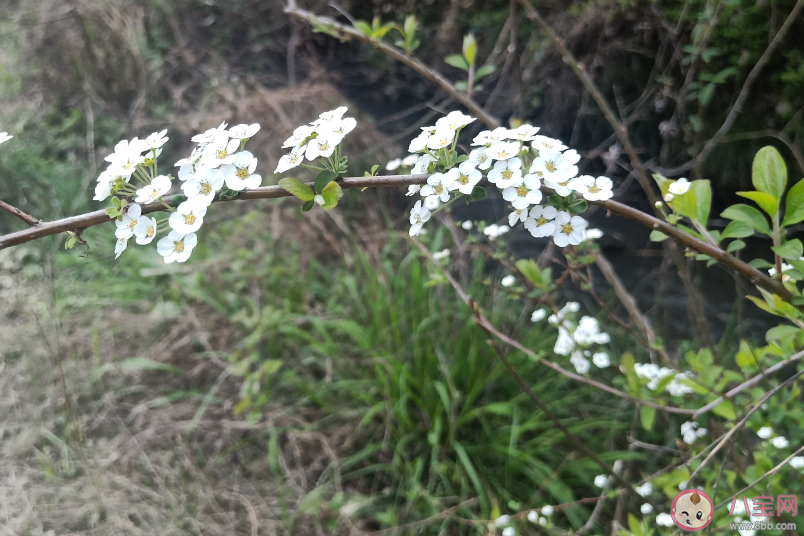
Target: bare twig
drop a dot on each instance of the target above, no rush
(30, 220)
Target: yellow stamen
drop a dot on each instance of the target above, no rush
(566, 228)
(178, 246)
(242, 173)
(463, 179)
(551, 167)
(206, 188)
(522, 191)
(507, 174)
(150, 232)
(189, 219)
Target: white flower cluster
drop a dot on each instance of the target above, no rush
(766, 432)
(124, 163)
(514, 160)
(577, 340)
(319, 139)
(690, 431)
(656, 374)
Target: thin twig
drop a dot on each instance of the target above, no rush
(30, 220)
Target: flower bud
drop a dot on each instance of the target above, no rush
(659, 204)
(319, 200)
(668, 197)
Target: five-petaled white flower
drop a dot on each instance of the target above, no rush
(220, 151)
(156, 140)
(151, 192)
(440, 139)
(523, 133)
(592, 189)
(580, 363)
(176, 247)
(338, 129)
(601, 359)
(126, 157)
(244, 131)
(506, 172)
(464, 177)
(290, 160)
(524, 192)
(145, 230)
(188, 216)
(203, 185)
(5, 136)
(419, 143)
(240, 175)
(479, 158)
(330, 116)
(516, 215)
(540, 221)
(569, 229)
(488, 137)
(422, 165)
(454, 121)
(437, 187)
(543, 143)
(125, 225)
(553, 166)
(679, 187)
(418, 217)
(780, 442)
(503, 150)
(299, 135)
(321, 147)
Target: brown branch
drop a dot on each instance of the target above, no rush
(30, 220)
(351, 33)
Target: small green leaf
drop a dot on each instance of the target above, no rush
(633, 525)
(794, 205)
(726, 410)
(410, 26)
(766, 202)
(780, 332)
(331, 193)
(456, 60)
(744, 357)
(178, 200)
(70, 243)
(325, 177)
(647, 416)
(483, 71)
(657, 236)
(363, 27)
(735, 245)
(478, 193)
(760, 264)
(749, 215)
(706, 93)
(530, 270)
(297, 188)
(308, 205)
(768, 172)
(469, 49)
(737, 229)
(791, 249)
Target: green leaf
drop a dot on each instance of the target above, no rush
(760, 264)
(657, 236)
(726, 410)
(766, 202)
(469, 49)
(483, 71)
(410, 26)
(794, 205)
(271, 365)
(744, 357)
(749, 215)
(308, 205)
(478, 193)
(331, 193)
(363, 27)
(791, 249)
(633, 525)
(143, 363)
(780, 332)
(706, 93)
(647, 416)
(456, 60)
(768, 172)
(737, 229)
(297, 188)
(325, 177)
(735, 245)
(178, 200)
(530, 270)
(227, 193)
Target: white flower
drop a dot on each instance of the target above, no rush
(145, 230)
(509, 531)
(443, 254)
(158, 187)
(322, 146)
(393, 165)
(440, 139)
(454, 121)
(299, 135)
(592, 189)
(644, 490)
(437, 186)
(508, 280)
(156, 140)
(502, 520)
(601, 359)
(780, 442)
(339, 129)
(546, 510)
(410, 160)
(540, 221)
(220, 151)
(533, 516)
(646, 508)
(553, 166)
(569, 230)
(467, 225)
(479, 158)
(690, 432)
(506, 172)
(523, 133)
(668, 197)
(679, 187)
(538, 315)
(422, 165)
(330, 117)
(488, 137)
(564, 344)
(418, 217)
(464, 177)
(765, 432)
(126, 157)
(503, 150)
(664, 520)
(588, 332)
(580, 363)
(524, 192)
(244, 131)
(494, 231)
(120, 246)
(210, 135)
(432, 202)
(125, 225)
(240, 175)
(176, 247)
(103, 189)
(518, 214)
(290, 160)
(188, 216)
(600, 480)
(4, 137)
(203, 185)
(413, 189)
(419, 143)
(797, 462)
(543, 143)
(785, 267)
(592, 234)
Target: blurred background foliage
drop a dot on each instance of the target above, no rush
(306, 371)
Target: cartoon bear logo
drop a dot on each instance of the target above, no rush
(692, 510)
